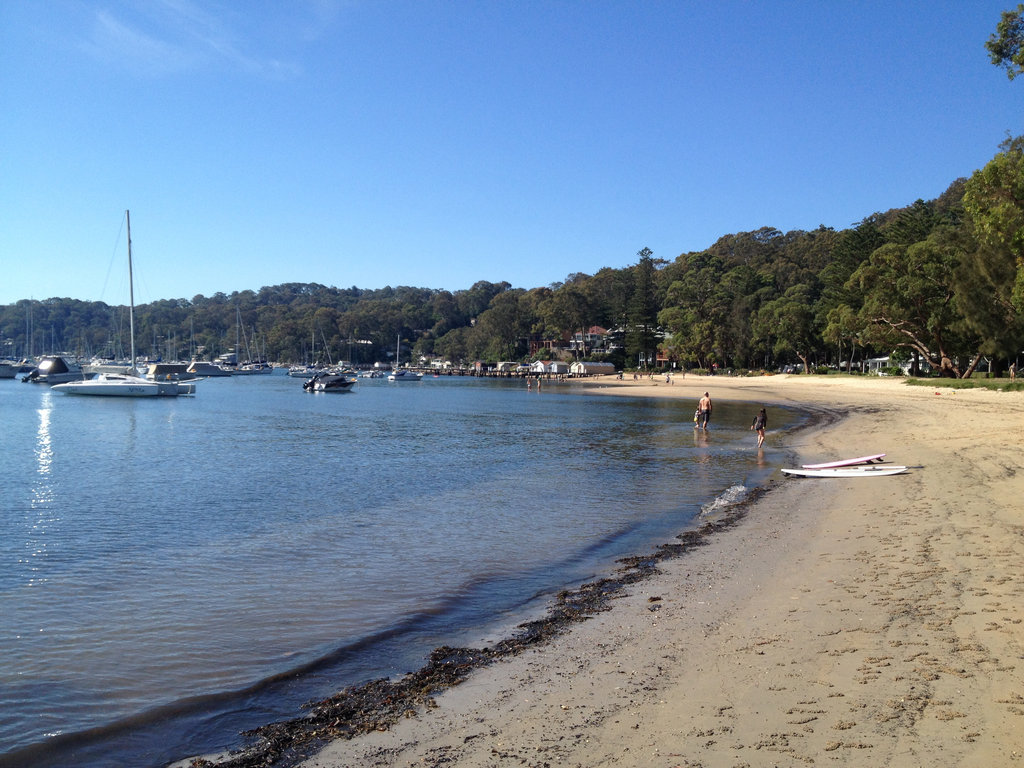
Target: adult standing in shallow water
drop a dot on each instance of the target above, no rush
(703, 412)
(760, 422)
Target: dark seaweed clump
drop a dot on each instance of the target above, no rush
(378, 704)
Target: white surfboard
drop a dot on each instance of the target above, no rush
(845, 462)
(882, 471)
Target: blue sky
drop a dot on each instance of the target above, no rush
(435, 144)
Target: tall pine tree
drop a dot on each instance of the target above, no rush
(642, 312)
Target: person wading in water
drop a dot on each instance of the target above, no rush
(760, 422)
(703, 412)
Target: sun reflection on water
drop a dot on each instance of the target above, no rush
(42, 499)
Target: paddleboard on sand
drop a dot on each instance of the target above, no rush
(845, 462)
(847, 471)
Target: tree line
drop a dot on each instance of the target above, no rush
(939, 281)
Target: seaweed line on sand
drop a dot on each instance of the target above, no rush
(378, 704)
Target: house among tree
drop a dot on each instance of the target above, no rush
(595, 338)
(545, 345)
(879, 366)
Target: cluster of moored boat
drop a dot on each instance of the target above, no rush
(109, 378)
(332, 380)
(65, 375)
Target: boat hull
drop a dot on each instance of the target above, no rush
(108, 388)
(112, 385)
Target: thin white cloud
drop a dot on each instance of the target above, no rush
(118, 41)
(178, 36)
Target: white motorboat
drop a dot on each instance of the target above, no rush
(330, 382)
(404, 375)
(304, 371)
(54, 369)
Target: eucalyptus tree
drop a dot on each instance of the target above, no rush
(475, 300)
(838, 307)
(842, 329)
(787, 324)
(695, 309)
(909, 301)
(501, 330)
(455, 345)
(744, 291)
(991, 276)
(566, 310)
(1006, 45)
(607, 295)
(445, 313)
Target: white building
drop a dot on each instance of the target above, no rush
(584, 368)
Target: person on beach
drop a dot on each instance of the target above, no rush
(760, 422)
(703, 412)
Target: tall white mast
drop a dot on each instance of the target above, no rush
(131, 292)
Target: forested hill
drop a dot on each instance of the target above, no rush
(942, 280)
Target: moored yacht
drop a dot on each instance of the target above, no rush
(206, 369)
(126, 384)
(256, 367)
(402, 374)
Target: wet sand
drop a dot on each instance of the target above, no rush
(868, 622)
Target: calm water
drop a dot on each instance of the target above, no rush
(175, 570)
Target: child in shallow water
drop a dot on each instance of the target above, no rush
(760, 422)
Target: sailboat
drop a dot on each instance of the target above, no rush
(402, 374)
(127, 384)
(249, 367)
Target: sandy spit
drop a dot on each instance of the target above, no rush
(865, 622)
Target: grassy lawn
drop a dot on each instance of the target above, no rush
(1004, 385)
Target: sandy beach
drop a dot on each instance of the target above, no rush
(868, 622)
